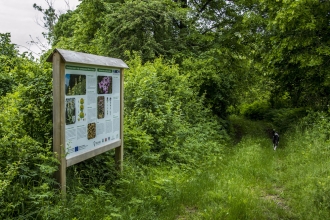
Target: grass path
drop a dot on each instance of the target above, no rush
(248, 180)
(246, 184)
(253, 181)
(245, 180)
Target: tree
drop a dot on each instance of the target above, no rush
(199, 30)
(298, 36)
(154, 28)
(50, 18)
(79, 29)
(8, 60)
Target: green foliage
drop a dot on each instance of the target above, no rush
(78, 30)
(150, 27)
(197, 59)
(256, 110)
(161, 107)
(285, 118)
(204, 36)
(8, 60)
(7, 48)
(6, 83)
(295, 51)
(26, 165)
(50, 18)
(209, 81)
(171, 29)
(112, 27)
(281, 119)
(64, 27)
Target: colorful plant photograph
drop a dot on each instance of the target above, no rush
(70, 111)
(75, 84)
(100, 107)
(91, 133)
(104, 84)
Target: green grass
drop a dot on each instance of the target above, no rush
(248, 180)
(256, 182)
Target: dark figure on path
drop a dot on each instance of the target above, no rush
(276, 139)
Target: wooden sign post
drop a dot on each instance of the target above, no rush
(88, 108)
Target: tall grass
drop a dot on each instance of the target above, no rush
(248, 180)
(256, 182)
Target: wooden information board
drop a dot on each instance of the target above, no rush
(88, 104)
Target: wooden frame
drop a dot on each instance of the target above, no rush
(60, 58)
(58, 119)
(120, 150)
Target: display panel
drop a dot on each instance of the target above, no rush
(92, 108)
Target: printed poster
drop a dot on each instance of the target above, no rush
(92, 108)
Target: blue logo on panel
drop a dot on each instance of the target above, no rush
(76, 149)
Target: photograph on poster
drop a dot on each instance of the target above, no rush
(92, 98)
(104, 84)
(82, 114)
(75, 84)
(91, 131)
(108, 106)
(70, 111)
(100, 107)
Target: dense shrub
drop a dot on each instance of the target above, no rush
(282, 118)
(318, 122)
(285, 118)
(26, 165)
(256, 110)
(164, 116)
(212, 81)
(166, 123)
(6, 84)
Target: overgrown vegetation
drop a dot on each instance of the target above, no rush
(208, 82)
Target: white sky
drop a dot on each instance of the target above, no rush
(20, 19)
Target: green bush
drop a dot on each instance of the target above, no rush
(282, 118)
(256, 110)
(285, 118)
(212, 81)
(26, 165)
(163, 113)
(166, 124)
(6, 83)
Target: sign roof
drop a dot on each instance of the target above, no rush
(85, 58)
